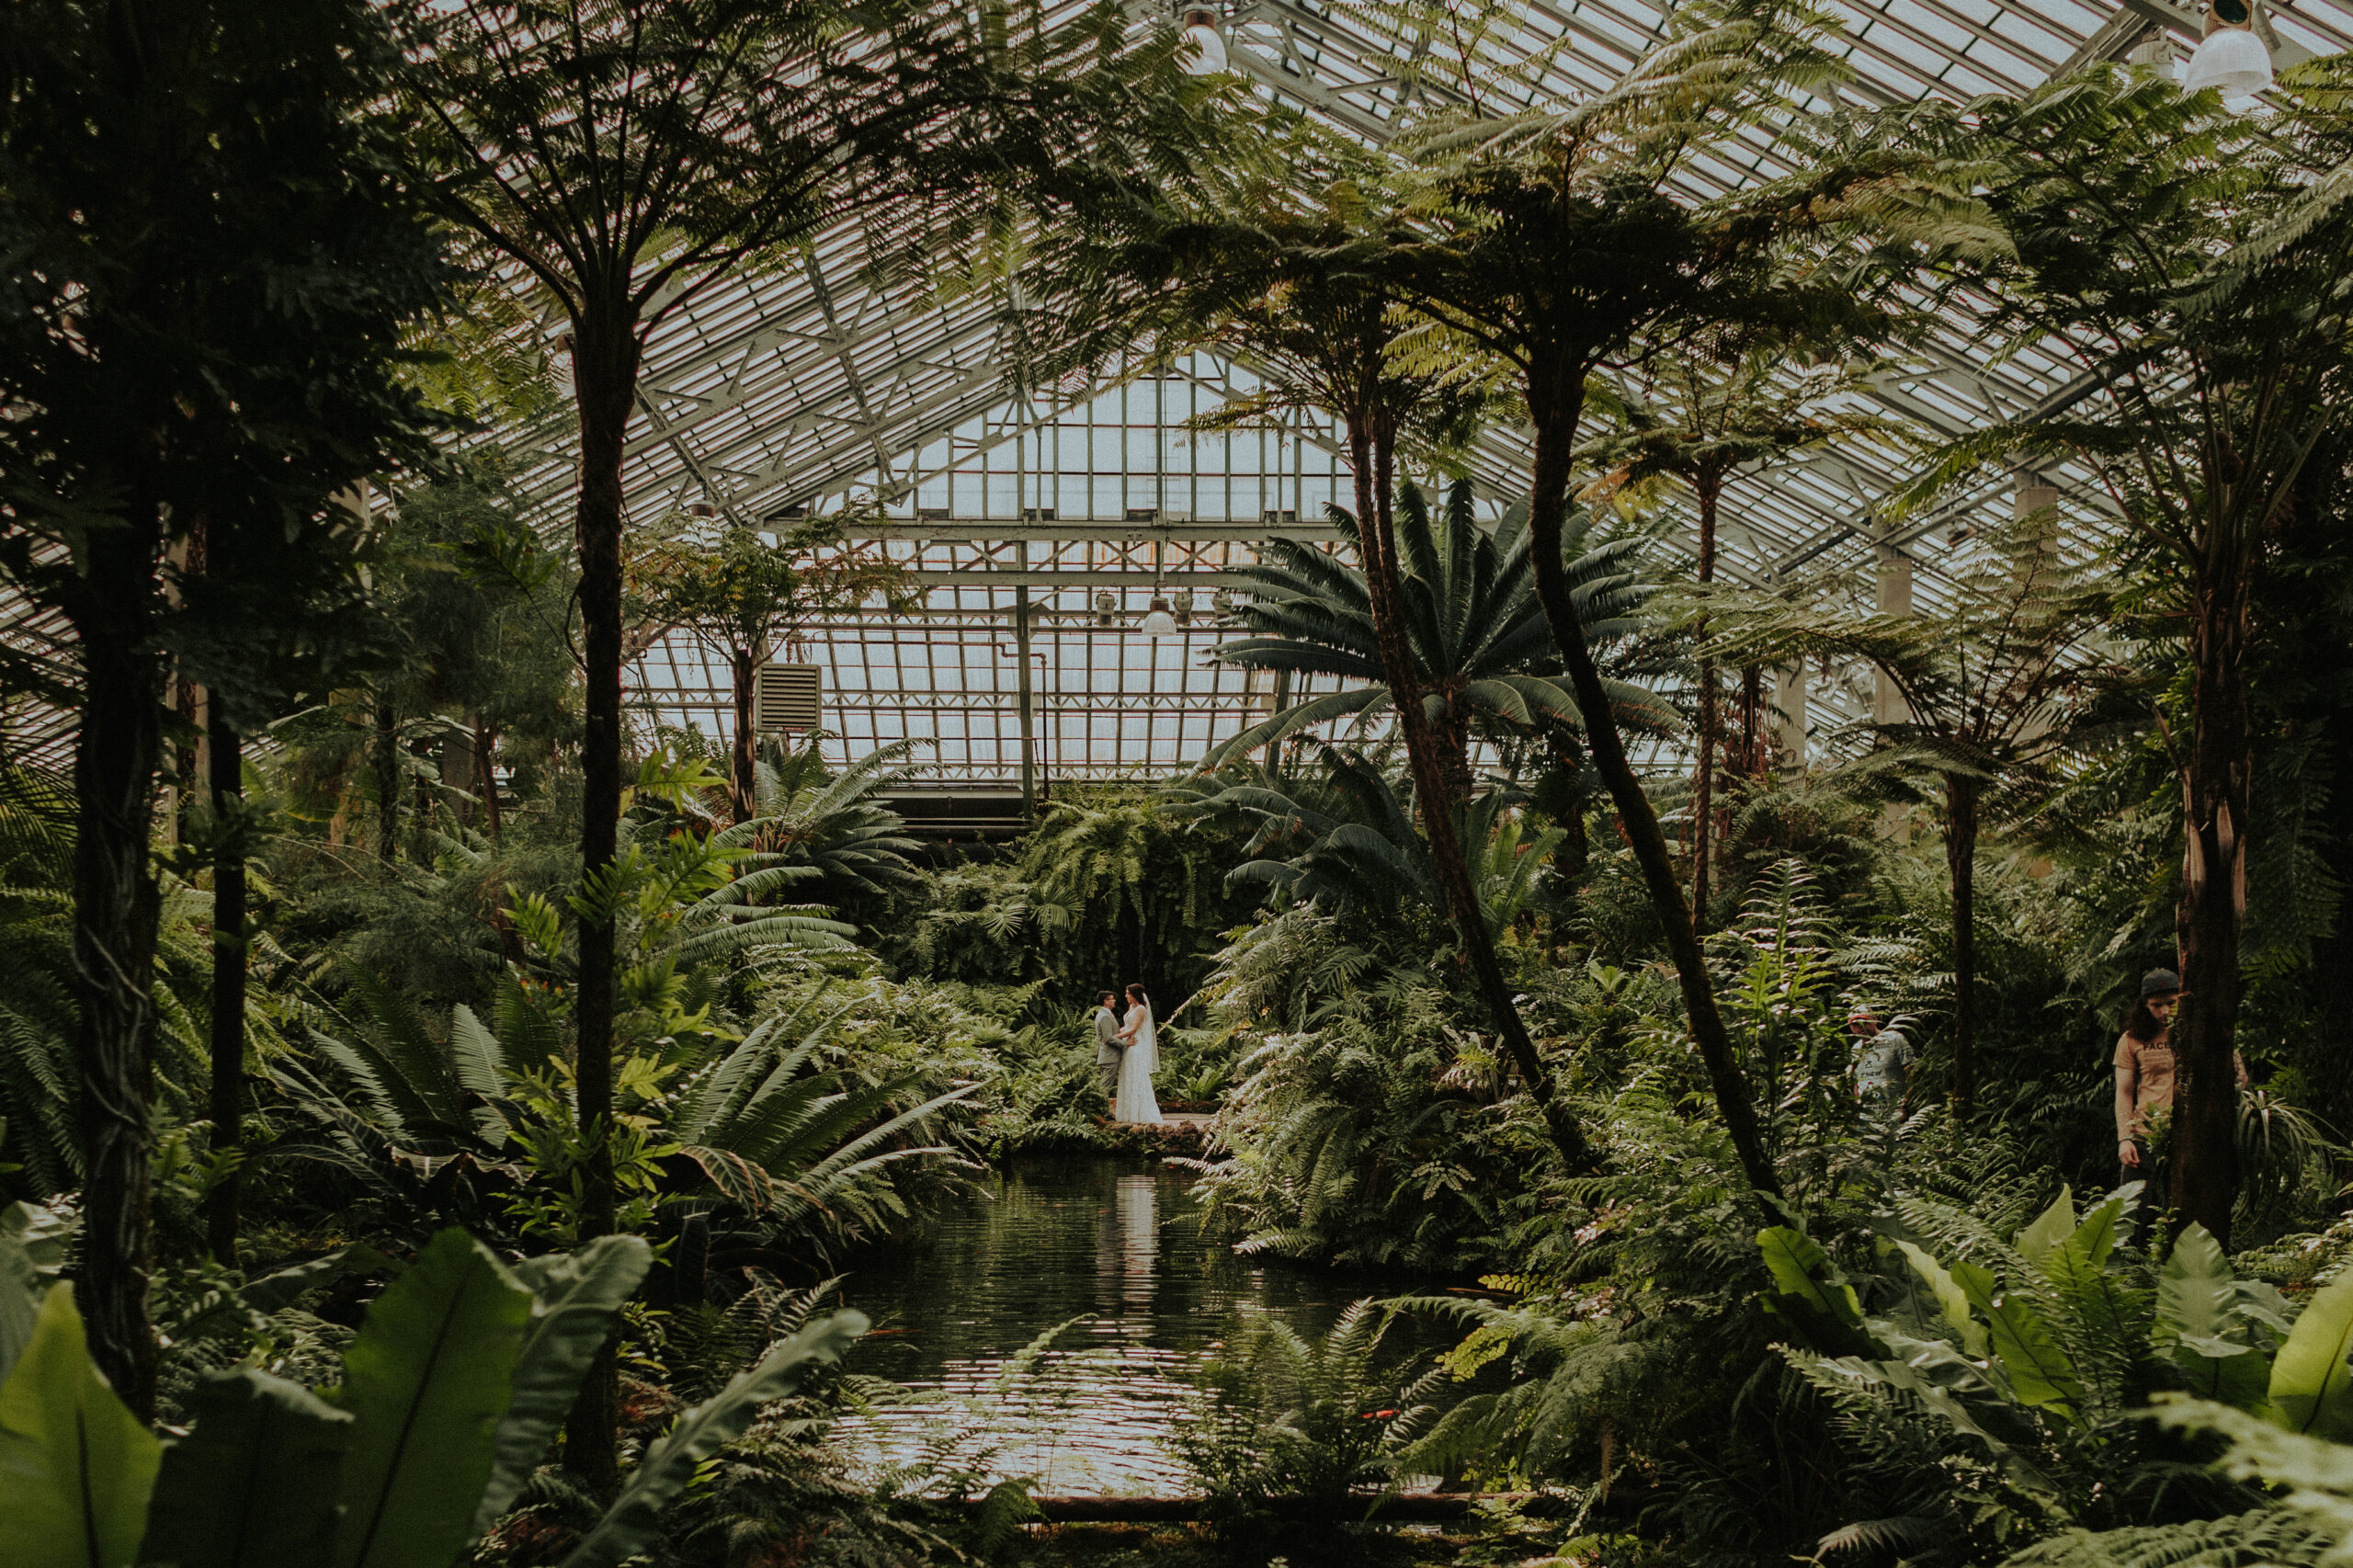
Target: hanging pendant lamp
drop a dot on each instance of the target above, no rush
(2230, 56)
(1204, 53)
(1157, 621)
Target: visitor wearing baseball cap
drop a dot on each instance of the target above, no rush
(2144, 1081)
(1882, 1063)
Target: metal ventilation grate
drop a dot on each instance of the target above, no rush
(788, 697)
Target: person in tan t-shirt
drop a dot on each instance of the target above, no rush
(2145, 1076)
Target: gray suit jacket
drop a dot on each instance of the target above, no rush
(1107, 1045)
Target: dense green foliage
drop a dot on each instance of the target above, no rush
(459, 1066)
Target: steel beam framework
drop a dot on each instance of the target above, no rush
(838, 376)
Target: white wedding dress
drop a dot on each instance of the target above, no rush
(1135, 1101)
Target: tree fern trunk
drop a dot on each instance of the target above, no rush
(1709, 487)
(605, 363)
(226, 765)
(1960, 863)
(1556, 402)
(388, 780)
(1752, 707)
(485, 760)
(116, 905)
(745, 769)
(2216, 786)
(1371, 454)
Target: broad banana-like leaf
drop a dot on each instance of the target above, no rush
(2095, 1235)
(2309, 1379)
(32, 1248)
(20, 1303)
(1799, 1267)
(1950, 1300)
(2260, 1304)
(576, 1299)
(429, 1377)
(254, 1485)
(2223, 1370)
(2195, 1288)
(75, 1465)
(42, 1233)
(2040, 1371)
(2197, 1301)
(2054, 1225)
(1813, 1295)
(629, 1526)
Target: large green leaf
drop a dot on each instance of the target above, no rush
(2195, 1288)
(1950, 1300)
(42, 1233)
(630, 1524)
(1813, 1293)
(2107, 1319)
(429, 1377)
(2052, 1226)
(2223, 1370)
(75, 1465)
(32, 1247)
(19, 1302)
(2309, 1378)
(577, 1297)
(2040, 1371)
(2199, 1302)
(254, 1485)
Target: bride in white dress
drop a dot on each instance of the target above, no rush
(1134, 1100)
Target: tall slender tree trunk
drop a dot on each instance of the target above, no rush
(485, 761)
(1453, 739)
(2216, 785)
(1570, 762)
(225, 762)
(1960, 863)
(424, 757)
(1751, 708)
(1556, 401)
(605, 364)
(1710, 486)
(1371, 454)
(184, 775)
(116, 904)
(746, 772)
(388, 780)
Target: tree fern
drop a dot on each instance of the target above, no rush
(1478, 635)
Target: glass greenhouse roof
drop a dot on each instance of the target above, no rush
(834, 379)
(809, 385)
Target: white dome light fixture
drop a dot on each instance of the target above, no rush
(1157, 621)
(2230, 56)
(1204, 51)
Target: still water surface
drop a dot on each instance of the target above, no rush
(1117, 1245)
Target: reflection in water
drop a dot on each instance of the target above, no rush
(1096, 1240)
(1138, 1238)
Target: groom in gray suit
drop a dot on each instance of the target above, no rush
(1109, 1048)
